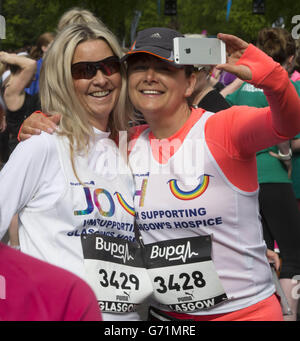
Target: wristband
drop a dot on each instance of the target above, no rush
(285, 157)
(18, 137)
(40, 112)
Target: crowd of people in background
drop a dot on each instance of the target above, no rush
(41, 80)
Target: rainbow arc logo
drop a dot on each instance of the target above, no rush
(192, 194)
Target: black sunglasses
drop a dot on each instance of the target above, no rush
(87, 70)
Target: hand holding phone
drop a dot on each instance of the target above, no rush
(235, 48)
(212, 51)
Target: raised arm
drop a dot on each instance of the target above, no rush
(252, 129)
(23, 73)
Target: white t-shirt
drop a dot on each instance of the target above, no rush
(55, 209)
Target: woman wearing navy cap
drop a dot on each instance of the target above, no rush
(196, 182)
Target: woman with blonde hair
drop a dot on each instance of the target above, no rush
(78, 15)
(75, 190)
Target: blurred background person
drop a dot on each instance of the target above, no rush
(37, 53)
(19, 104)
(278, 206)
(77, 15)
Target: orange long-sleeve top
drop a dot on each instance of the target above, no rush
(235, 135)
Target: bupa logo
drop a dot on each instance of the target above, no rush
(173, 253)
(116, 250)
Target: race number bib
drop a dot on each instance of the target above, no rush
(183, 274)
(115, 270)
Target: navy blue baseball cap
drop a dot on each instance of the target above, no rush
(157, 41)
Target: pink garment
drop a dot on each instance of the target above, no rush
(295, 76)
(32, 290)
(266, 310)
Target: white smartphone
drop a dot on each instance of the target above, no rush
(203, 51)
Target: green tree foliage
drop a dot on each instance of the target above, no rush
(27, 19)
